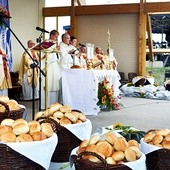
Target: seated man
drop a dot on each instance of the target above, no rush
(26, 73)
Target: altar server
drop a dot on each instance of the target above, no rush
(26, 72)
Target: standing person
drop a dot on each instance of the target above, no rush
(26, 73)
(5, 78)
(74, 51)
(66, 58)
(83, 56)
(53, 71)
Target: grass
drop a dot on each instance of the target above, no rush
(158, 74)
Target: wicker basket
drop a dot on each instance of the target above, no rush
(81, 164)
(11, 160)
(67, 141)
(158, 160)
(14, 114)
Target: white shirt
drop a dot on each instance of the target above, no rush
(66, 59)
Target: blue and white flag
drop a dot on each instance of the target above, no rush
(5, 40)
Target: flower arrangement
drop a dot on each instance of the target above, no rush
(106, 96)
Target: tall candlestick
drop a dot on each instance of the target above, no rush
(108, 40)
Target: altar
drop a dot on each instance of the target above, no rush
(80, 88)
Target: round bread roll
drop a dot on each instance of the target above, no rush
(7, 122)
(57, 120)
(65, 121)
(111, 138)
(110, 160)
(118, 156)
(71, 116)
(4, 99)
(34, 128)
(78, 121)
(104, 148)
(65, 109)
(133, 142)
(38, 136)
(21, 128)
(130, 155)
(136, 150)
(8, 137)
(91, 148)
(95, 159)
(84, 143)
(24, 138)
(5, 129)
(18, 121)
(120, 144)
(46, 113)
(38, 114)
(54, 107)
(167, 137)
(166, 144)
(157, 139)
(149, 136)
(94, 139)
(75, 113)
(82, 117)
(83, 146)
(163, 132)
(47, 129)
(58, 114)
(2, 108)
(13, 105)
(33, 122)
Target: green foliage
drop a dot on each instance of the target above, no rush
(158, 74)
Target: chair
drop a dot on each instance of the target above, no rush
(131, 75)
(16, 90)
(123, 80)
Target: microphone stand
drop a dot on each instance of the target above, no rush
(33, 65)
(39, 44)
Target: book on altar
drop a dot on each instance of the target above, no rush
(43, 45)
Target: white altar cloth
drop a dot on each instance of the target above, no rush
(80, 88)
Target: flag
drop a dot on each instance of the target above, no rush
(5, 36)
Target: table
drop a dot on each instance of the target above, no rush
(80, 88)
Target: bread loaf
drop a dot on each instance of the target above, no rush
(21, 128)
(38, 136)
(8, 137)
(47, 129)
(24, 138)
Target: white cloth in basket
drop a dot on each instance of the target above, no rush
(38, 151)
(81, 130)
(147, 148)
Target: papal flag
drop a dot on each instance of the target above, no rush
(5, 40)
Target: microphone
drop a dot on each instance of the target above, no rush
(42, 30)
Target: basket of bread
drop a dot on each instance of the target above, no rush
(22, 143)
(156, 146)
(71, 128)
(10, 109)
(109, 151)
